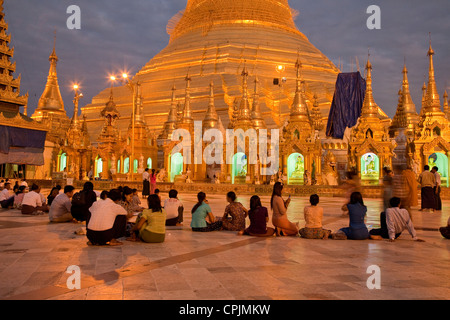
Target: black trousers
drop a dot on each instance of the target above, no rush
(383, 231)
(173, 222)
(437, 197)
(103, 237)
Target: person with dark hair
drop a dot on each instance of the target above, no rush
(427, 182)
(104, 195)
(6, 199)
(174, 209)
(157, 192)
(388, 181)
(437, 189)
(313, 218)
(393, 222)
(61, 205)
(235, 214)
(18, 197)
(259, 217)
(82, 201)
(151, 223)
(135, 205)
(32, 202)
(153, 182)
(146, 183)
(200, 212)
(127, 196)
(16, 187)
(445, 231)
(279, 217)
(53, 193)
(108, 221)
(357, 213)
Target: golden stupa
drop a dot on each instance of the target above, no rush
(210, 41)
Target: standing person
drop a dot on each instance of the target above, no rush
(279, 217)
(411, 199)
(146, 183)
(259, 217)
(313, 218)
(151, 224)
(107, 222)
(237, 213)
(357, 213)
(32, 202)
(82, 201)
(437, 189)
(393, 222)
(200, 212)
(174, 209)
(6, 199)
(91, 174)
(152, 182)
(61, 205)
(427, 182)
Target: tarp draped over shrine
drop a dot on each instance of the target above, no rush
(22, 146)
(347, 104)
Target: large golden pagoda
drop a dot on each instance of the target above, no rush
(211, 40)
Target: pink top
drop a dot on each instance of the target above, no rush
(153, 179)
(313, 217)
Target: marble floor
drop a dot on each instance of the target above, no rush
(34, 256)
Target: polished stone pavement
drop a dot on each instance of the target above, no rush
(34, 256)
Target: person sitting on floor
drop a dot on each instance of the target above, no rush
(174, 209)
(445, 231)
(32, 202)
(259, 217)
(393, 222)
(357, 213)
(151, 223)
(235, 214)
(6, 199)
(279, 217)
(82, 201)
(313, 218)
(61, 205)
(200, 212)
(18, 198)
(53, 194)
(108, 221)
(136, 202)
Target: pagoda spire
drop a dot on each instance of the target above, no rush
(369, 108)
(187, 112)
(433, 103)
(51, 99)
(317, 115)
(244, 118)
(211, 119)
(171, 124)
(257, 119)
(299, 109)
(408, 104)
(446, 107)
(139, 119)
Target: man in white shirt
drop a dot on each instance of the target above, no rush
(437, 188)
(61, 205)
(108, 221)
(6, 199)
(32, 202)
(174, 209)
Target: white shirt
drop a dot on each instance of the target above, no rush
(171, 206)
(146, 176)
(104, 214)
(5, 195)
(398, 220)
(32, 199)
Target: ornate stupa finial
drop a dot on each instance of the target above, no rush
(407, 103)
(171, 124)
(316, 114)
(446, 107)
(370, 108)
(187, 112)
(433, 103)
(244, 118)
(211, 119)
(139, 119)
(299, 109)
(257, 119)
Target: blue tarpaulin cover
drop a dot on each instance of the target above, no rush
(347, 103)
(21, 146)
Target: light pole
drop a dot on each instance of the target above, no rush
(75, 123)
(126, 80)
